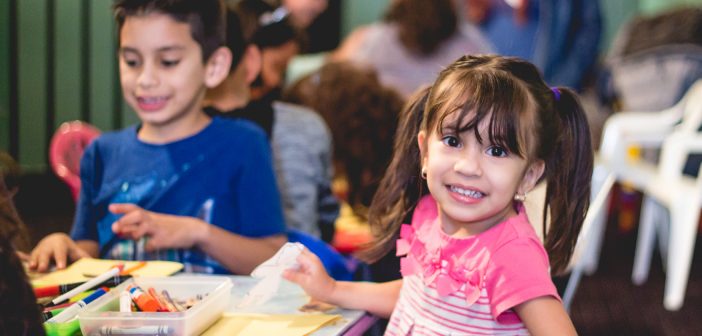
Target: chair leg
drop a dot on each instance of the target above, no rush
(602, 182)
(645, 240)
(683, 228)
(663, 232)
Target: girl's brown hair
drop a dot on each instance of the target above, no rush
(526, 117)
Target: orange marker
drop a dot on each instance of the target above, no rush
(144, 301)
(133, 268)
(163, 307)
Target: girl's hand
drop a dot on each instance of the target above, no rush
(312, 276)
(57, 247)
(163, 231)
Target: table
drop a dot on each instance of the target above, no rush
(289, 298)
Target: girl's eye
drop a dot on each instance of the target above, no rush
(497, 151)
(451, 141)
(169, 63)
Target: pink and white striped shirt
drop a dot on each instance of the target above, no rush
(467, 286)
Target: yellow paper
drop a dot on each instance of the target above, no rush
(278, 325)
(77, 271)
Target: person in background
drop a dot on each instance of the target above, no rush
(416, 40)
(300, 140)
(562, 38)
(491, 129)
(362, 115)
(180, 185)
(278, 41)
(19, 312)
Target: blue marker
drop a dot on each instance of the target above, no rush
(75, 308)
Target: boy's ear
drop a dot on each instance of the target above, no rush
(531, 176)
(217, 67)
(253, 61)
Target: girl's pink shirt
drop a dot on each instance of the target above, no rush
(508, 260)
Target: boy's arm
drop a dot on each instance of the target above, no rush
(239, 254)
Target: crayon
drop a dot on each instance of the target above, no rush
(89, 284)
(73, 310)
(143, 300)
(54, 290)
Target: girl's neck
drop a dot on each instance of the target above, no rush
(459, 229)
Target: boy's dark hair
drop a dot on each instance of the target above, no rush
(205, 17)
(265, 27)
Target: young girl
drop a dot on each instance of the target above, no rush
(472, 264)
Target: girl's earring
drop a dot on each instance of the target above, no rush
(424, 173)
(520, 197)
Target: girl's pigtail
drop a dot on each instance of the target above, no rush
(569, 169)
(401, 186)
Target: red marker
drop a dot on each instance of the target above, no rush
(55, 290)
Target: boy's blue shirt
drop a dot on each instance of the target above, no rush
(222, 175)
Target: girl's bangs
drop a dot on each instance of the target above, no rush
(502, 101)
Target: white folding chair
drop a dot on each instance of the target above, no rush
(669, 189)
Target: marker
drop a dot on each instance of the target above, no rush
(158, 330)
(125, 302)
(144, 301)
(163, 307)
(89, 284)
(63, 305)
(75, 308)
(133, 268)
(54, 290)
(45, 315)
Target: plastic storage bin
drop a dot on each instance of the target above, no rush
(102, 316)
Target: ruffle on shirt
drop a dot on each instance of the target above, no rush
(447, 271)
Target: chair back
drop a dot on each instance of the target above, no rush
(692, 109)
(66, 149)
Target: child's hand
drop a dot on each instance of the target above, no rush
(311, 276)
(56, 247)
(164, 231)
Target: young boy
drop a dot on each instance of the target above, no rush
(300, 139)
(181, 185)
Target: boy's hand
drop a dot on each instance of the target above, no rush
(311, 276)
(164, 231)
(56, 247)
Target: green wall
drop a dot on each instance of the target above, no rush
(65, 61)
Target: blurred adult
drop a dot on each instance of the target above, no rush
(416, 39)
(560, 37)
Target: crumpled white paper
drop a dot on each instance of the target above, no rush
(270, 272)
